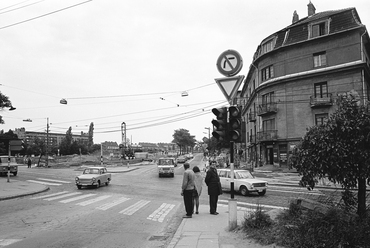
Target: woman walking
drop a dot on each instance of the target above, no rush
(198, 187)
(214, 187)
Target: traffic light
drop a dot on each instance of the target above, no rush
(235, 124)
(220, 124)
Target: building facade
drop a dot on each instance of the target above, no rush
(295, 78)
(54, 139)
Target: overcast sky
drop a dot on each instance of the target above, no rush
(126, 61)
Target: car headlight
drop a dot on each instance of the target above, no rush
(77, 179)
(93, 179)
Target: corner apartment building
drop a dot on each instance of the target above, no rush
(295, 78)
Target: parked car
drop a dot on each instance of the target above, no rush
(166, 167)
(244, 182)
(93, 176)
(181, 159)
(4, 165)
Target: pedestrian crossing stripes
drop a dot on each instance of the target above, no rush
(161, 212)
(6, 242)
(132, 209)
(50, 182)
(112, 204)
(99, 198)
(76, 198)
(110, 201)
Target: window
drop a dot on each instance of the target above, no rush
(321, 119)
(267, 46)
(319, 59)
(267, 72)
(268, 98)
(319, 29)
(321, 90)
(268, 125)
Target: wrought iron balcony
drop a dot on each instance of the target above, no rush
(267, 108)
(321, 101)
(268, 135)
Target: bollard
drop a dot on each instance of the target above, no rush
(128, 164)
(233, 214)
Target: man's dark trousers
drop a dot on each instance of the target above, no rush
(213, 203)
(189, 202)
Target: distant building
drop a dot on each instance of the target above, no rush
(295, 78)
(54, 138)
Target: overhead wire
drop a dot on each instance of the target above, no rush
(40, 16)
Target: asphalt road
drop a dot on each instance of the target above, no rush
(138, 209)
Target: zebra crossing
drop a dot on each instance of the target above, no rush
(131, 207)
(50, 182)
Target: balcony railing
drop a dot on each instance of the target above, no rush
(267, 108)
(252, 116)
(321, 101)
(267, 135)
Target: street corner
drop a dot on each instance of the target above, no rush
(15, 188)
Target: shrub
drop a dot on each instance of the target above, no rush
(257, 219)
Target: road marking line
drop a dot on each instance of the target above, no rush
(295, 192)
(39, 182)
(50, 195)
(132, 209)
(53, 180)
(76, 198)
(100, 198)
(255, 205)
(62, 196)
(112, 204)
(161, 212)
(5, 242)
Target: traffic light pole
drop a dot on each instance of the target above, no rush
(233, 214)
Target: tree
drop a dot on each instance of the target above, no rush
(65, 145)
(91, 136)
(182, 138)
(4, 103)
(338, 149)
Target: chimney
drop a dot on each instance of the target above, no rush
(295, 17)
(311, 9)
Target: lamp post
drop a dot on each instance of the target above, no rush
(123, 133)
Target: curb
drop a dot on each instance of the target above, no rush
(46, 188)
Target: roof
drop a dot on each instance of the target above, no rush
(340, 20)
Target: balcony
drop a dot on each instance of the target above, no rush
(267, 108)
(268, 135)
(252, 117)
(321, 101)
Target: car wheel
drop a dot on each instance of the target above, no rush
(243, 191)
(172, 175)
(159, 175)
(79, 186)
(98, 184)
(262, 193)
(15, 173)
(107, 182)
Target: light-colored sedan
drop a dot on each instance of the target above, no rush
(244, 182)
(93, 176)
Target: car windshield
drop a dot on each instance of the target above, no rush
(91, 171)
(165, 162)
(244, 175)
(5, 160)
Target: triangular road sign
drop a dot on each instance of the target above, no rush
(229, 86)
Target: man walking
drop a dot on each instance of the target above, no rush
(187, 190)
(214, 187)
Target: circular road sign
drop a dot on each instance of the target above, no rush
(229, 63)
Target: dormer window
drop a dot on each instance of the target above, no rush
(268, 46)
(318, 29)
